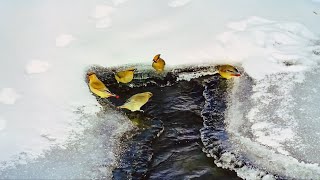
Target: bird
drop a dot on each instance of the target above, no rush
(228, 71)
(158, 63)
(125, 76)
(135, 102)
(98, 88)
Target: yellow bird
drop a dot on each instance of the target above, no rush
(98, 88)
(125, 76)
(137, 101)
(228, 71)
(158, 63)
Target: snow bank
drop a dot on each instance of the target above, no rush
(41, 111)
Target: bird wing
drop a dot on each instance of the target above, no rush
(124, 73)
(121, 74)
(99, 86)
(136, 98)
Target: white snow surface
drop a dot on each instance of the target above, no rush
(9, 96)
(103, 13)
(2, 124)
(51, 110)
(37, 66)
(178, 3)
(64, 40)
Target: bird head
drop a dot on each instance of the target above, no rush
(231, 70)
(149, 94)
(113, 95)
(90, 74)
(156, 58)
(116, 96)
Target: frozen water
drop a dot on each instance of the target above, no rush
(308, 118)
(264, 118)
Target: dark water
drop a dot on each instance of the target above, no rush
(168, 143)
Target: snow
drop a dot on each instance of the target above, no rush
(2, 124)
(242, 25)
(118, 2)
(9, 96)
(37, 66)
(103, 13)
(54, 108)
(64, 40)
(178, 3)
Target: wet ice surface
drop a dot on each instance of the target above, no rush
(262, 126)
(306, 112)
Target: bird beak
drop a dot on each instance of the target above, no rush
(154, 61)
(236, 74)
(116, 96)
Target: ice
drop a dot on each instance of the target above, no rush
(64, 40)
(37, 66)
(262, 114)
(9, 96)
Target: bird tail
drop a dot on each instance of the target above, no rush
(120, 107)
